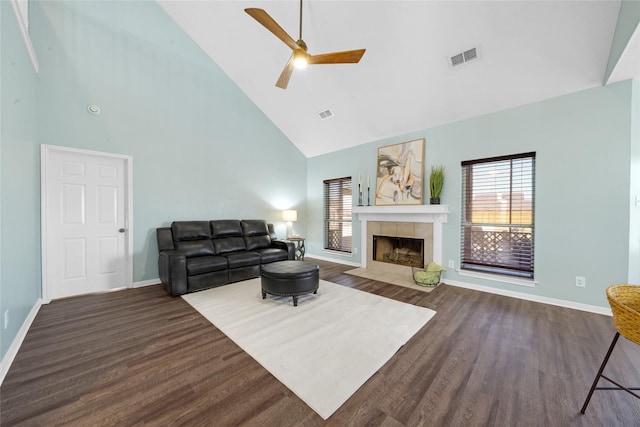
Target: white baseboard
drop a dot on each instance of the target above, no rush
(535, 298)
(7, 360)
(337, 261)
(144, 283)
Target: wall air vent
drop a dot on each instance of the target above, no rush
(464, 57)
(325, 114)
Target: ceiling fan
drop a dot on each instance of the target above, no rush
(300, 58)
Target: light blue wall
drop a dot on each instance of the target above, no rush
(360, 159)
(582, 220)
(20, 186)
(201, 149)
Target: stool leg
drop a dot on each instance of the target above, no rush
(604, 363)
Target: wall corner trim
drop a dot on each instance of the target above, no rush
(23, 23)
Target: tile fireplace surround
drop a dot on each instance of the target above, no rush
(420, 221)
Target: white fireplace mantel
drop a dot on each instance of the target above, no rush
(434, 214)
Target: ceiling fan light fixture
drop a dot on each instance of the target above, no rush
(300, 59)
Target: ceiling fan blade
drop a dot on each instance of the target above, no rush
(346, 57)
(283, 81)
(270, 24)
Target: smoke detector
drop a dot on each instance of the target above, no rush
(463, 57)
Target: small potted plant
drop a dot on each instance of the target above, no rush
(436, 181)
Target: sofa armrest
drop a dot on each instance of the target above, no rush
(172, 266)
(164, 237)
(290, 247)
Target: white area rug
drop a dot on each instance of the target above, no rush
(324, 349)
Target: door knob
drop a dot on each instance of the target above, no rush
(122, 230)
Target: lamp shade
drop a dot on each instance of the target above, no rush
(290, 215)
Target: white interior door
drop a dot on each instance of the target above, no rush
(86, 227)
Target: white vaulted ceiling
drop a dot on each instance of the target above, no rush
(528, 51)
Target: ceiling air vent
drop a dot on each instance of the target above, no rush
(457, 59)
(470, 54)
(325, 114)
(464, 57)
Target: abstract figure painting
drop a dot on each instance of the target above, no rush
(399, 173)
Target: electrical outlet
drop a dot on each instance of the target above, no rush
(6, 319)
(581, 281)
(355, 251)
(452, 264)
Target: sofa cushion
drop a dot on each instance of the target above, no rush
(229, 244)
(254, 227)
(256, 234)
(190, 230)
(257, 242)
(195, 248)
(225, 228)
(272, 255)
(206, 264)
(243, 259)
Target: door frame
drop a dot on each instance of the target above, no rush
(45, 152)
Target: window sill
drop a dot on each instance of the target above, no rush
(530, 283)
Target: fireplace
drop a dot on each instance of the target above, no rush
(396, 250)
(419, 221)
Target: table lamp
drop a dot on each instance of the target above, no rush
(290, 216)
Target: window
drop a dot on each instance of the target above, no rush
(337, 214)
(498, 197)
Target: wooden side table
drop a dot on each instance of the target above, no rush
(299, 241)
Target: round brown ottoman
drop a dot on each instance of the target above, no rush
(290, 279)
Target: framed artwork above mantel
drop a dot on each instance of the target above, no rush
(399, 173)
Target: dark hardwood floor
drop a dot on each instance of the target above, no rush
(142, 357)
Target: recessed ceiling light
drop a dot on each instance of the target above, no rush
(93, 109)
